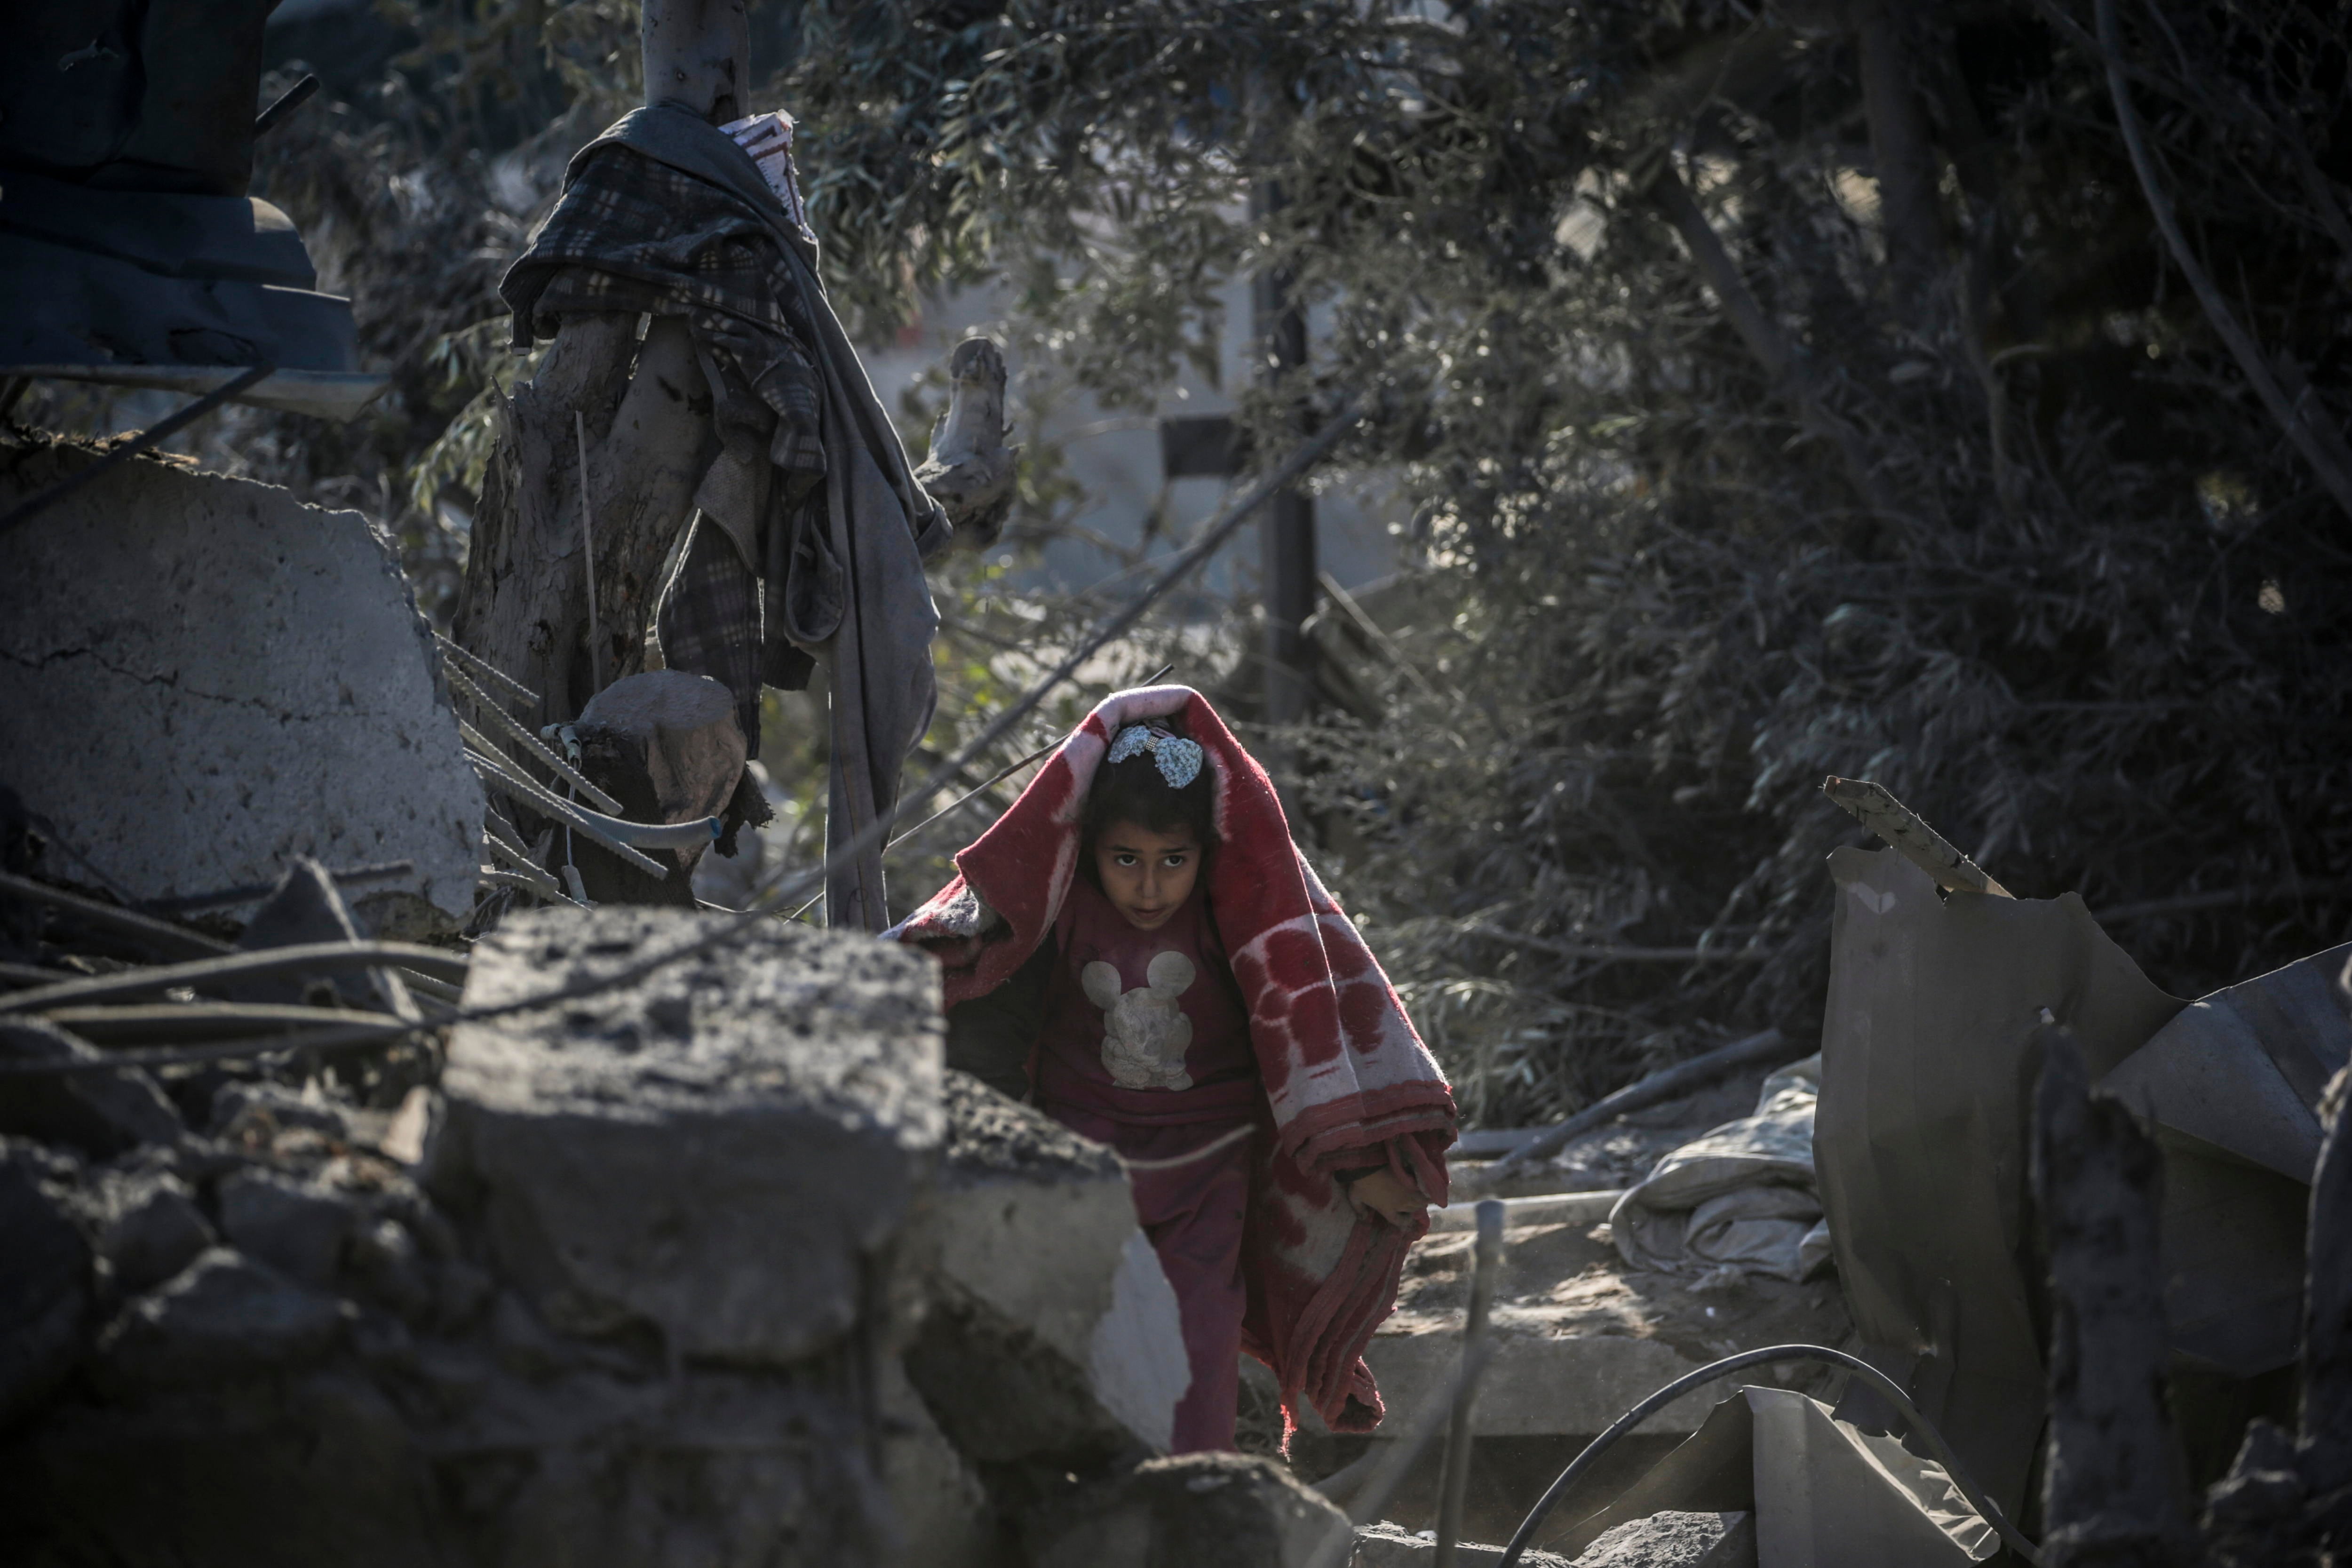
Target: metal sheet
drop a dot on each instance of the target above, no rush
(1919, 1142)
(2244, 1069)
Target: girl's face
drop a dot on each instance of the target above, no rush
(1146, 875)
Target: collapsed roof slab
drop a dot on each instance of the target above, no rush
(202, 677)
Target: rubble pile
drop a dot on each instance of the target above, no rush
(713, 1264)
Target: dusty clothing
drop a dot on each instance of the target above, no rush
(1342, 1083)
(664, 215)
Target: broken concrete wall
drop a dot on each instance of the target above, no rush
(201, 676)
(632, 1307)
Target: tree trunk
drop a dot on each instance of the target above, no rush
(1909, 214)
(648, 434)
(649, 437)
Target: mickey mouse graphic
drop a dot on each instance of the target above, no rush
(1145, 1032)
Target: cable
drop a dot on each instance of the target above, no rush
(1919, 1424)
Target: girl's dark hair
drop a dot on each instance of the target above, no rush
(1133, 791)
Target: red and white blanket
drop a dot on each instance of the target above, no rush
(1347, 1081)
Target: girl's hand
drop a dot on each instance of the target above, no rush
(1380, 1195)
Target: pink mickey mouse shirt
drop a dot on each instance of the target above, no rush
(1144, 1026)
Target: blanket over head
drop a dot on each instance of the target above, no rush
(1347, 1081)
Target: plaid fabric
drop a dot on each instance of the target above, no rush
(710, 623)
(636, 236)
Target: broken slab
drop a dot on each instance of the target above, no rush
(667, 1153)
(45, 1295)
(99, 1114)
(1052, 1333)
(1673, 1539)
(1386, 1545)
(226, 1315)
(201, 676)
(1237, 1510)
(1580, 1337)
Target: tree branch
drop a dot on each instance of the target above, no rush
(2322, 447)
(1781, 359)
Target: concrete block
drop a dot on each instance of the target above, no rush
(1053, 1333)
(149, 1226)
(1676, 1540)
(44, 1286)
(292, 1226)
(1541, 1382)
(99, 1115)
(722, 1150)
(224, 1316)
(1386, 1545)
(1237, 1510)
(941, 1508)
(201, 676)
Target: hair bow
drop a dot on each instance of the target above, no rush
(1179, 760)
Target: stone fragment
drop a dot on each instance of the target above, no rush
(941, 1509)
(149, 1226)
(1386, 1545)
(290, 1224)
(201, 676)
(1237, 1510)
(388, 1265)
(668, 747)
(242, 1109)
(1676, 1540)
(100, 1114)
(719, 1151)
(1055, 1335)
(226, 1315)
(43, 1284)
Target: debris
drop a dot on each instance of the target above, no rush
(1741, 1197)
(1233, 1509)
(97, 1114)
(970, 470)
(148, 1227)
(1820, 1491)
(1055, 1337)
(667, 745)
(201, 678)
(2113, 1492)
(225, 1315)
(1386, 1545)
(1671, 1539)
(1665, 1084)
(1920, 1139)
(1874, 808)
(294, 1226)
(44, 1289)
(774, 1097)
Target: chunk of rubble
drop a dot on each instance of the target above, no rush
(227, 1315)
(201, 676)
(1673, 1539)
(99, 1114)
(1237, 1510)
(148, 1227)
(296, 1226)
(668, 1153)
(1053, 1334)
(44, 1285)
(1386, 1545)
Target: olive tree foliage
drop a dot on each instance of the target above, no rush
(1778, 390)
(1782, 389)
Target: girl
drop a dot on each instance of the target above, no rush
(1138, 947)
